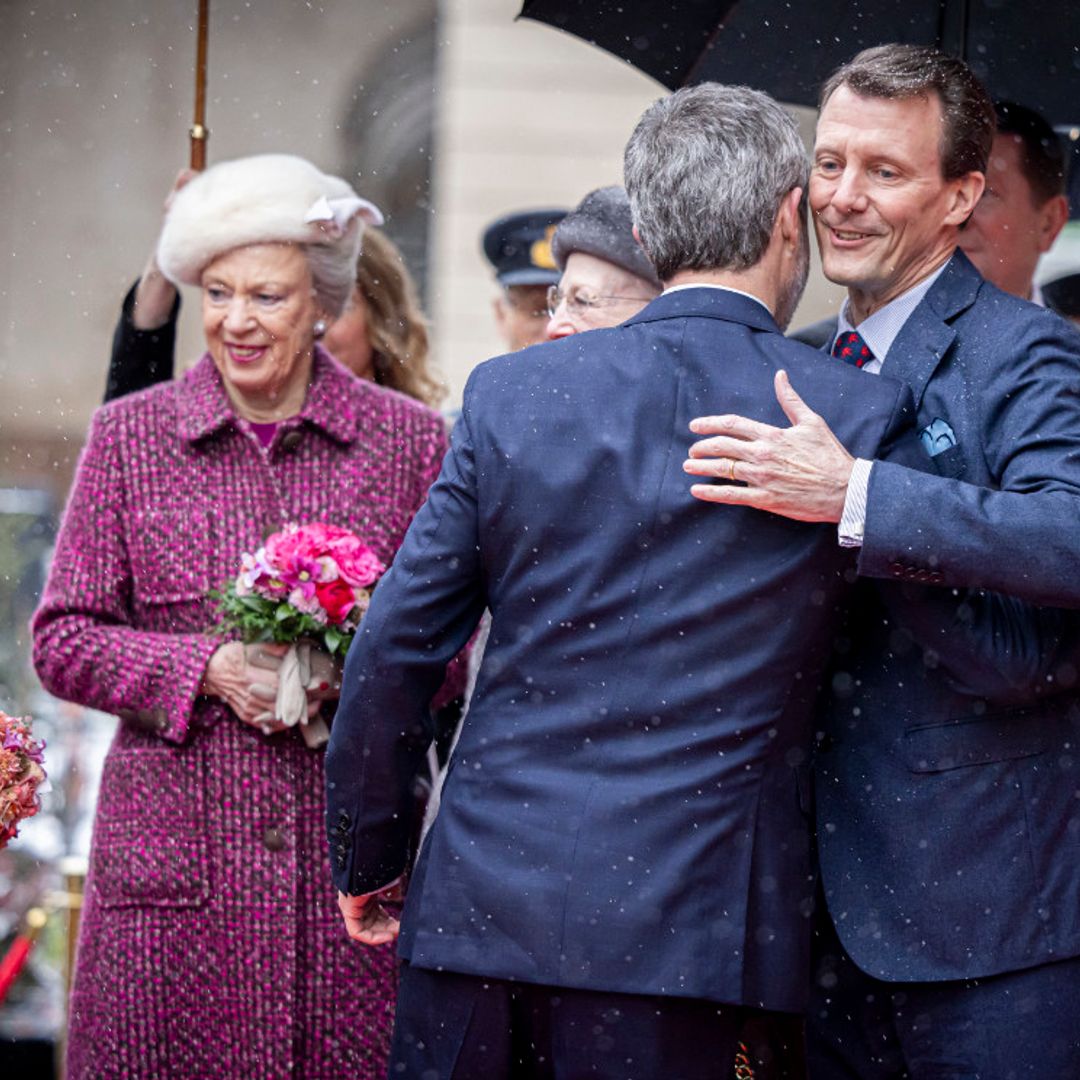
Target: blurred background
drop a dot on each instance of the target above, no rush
(446, 113)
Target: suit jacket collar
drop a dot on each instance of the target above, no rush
(204, 406)
(928, 333)
(706, 303)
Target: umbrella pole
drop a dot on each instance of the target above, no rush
(199, 134)
(953, 21)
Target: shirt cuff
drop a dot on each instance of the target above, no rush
(383, 888)
(853, 521)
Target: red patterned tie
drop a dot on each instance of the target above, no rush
(851, 348)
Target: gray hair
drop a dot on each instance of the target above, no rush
(333, 275)
(706, 170)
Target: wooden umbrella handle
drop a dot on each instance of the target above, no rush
(199, 134)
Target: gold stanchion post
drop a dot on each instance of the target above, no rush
(73, 871)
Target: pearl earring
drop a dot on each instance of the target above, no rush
(319, 327)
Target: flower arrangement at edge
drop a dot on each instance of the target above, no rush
(21, 773)
(307, 581)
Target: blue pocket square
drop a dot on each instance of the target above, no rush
(937, 437)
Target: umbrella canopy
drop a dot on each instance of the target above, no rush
(1023, 52)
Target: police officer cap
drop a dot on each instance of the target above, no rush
(518, 246)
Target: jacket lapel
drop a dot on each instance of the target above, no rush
(928, 333)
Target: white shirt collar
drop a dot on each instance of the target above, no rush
(879, 330)
(712, 285)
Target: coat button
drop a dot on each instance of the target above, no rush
(291, 440)
(151, 719)
(273, 840)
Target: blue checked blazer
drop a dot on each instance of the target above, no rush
(948, 780)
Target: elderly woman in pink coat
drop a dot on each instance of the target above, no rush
(211, 945)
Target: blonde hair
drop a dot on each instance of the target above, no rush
(396, 325)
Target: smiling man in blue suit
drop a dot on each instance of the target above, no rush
(948, 784)
(619, 877)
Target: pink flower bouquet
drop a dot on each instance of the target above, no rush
(307, 584)
(21, 773)
(307, 581)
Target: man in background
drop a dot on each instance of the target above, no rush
(518, 246)
(1023, 208)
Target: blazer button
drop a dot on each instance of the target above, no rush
(273, 840)
(291, 440)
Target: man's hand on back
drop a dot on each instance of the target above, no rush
(800, 472)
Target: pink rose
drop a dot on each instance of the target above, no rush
(359, 565)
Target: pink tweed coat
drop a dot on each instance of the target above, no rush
(211, 945)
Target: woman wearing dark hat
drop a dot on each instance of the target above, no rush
(211, 943)
(606, 276)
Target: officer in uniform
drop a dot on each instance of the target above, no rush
(518, 246)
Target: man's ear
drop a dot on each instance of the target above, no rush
(967, 190)
(1052, 218)
(789, 218)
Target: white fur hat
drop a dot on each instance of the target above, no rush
(267, 198)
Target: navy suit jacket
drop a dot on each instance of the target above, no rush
(948, 816)
(626, 809)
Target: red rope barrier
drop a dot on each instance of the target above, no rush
(13, 962)
(18, 953)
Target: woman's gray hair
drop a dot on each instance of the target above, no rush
(706, 170)
(333, 275)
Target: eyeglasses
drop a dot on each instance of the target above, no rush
(579, 302)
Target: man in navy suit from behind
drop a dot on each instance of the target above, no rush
(619, 877)
(948, 783)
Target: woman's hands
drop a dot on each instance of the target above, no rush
(245, 677)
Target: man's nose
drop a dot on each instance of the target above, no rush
(849, 194)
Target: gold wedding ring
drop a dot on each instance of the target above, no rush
(731, 469)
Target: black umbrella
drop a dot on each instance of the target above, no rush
(1023, 52)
